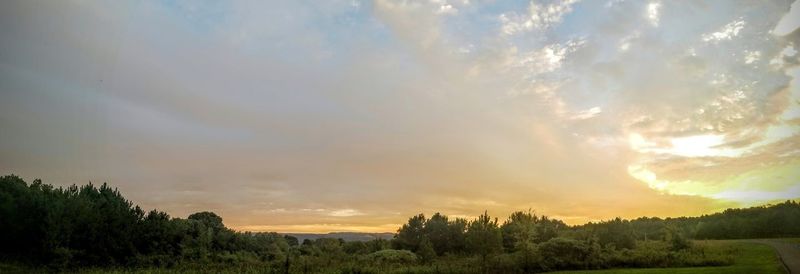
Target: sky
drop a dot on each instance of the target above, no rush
(319, 116)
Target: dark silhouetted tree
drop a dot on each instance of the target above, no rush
(410, 234)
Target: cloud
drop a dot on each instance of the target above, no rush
(728, 32)
(355, 115)
(587, 114)
(653, 9)
(345, 213)
(539, 17)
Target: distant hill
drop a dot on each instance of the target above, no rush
(347, 236)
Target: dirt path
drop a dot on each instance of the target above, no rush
(789, 253)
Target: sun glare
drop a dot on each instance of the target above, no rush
(700, 145)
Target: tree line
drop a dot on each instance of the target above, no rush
(90, 226)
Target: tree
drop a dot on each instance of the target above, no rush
(425, 251)
(291, 240)
(616, 232)
(676, 238)
(483, 237)
(87, 225)
(547, 229)
(519, 231)
(456, 230)
(437, 233)
(562, 253)
(520, 235)
(209, 219)
(410, 235)
(159, 237)
(355, 247)
(377, 245)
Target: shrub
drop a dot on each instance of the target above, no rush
(392, 256)
(563, 253)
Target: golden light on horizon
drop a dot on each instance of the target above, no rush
(355, 115)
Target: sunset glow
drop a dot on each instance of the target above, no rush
(324, 116)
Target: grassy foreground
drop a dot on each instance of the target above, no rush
(791, 240)
(748, 258)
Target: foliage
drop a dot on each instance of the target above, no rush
(391, 256)
(437, 232)
(781, 220)
(89, 226)
(483, 236)
(410, 234)
(96, 226)
(425, 251)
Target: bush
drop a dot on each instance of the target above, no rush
(661, 254)
(563, 253)
(505, 263)
(392, 256)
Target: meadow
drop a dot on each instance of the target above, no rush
(747, 258)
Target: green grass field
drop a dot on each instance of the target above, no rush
(749, 258)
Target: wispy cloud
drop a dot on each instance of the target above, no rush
(356, 114)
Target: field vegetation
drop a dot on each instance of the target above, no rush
(95, 229)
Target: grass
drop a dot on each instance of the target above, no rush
(12, 268)
(748, 258)
(791, 240)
